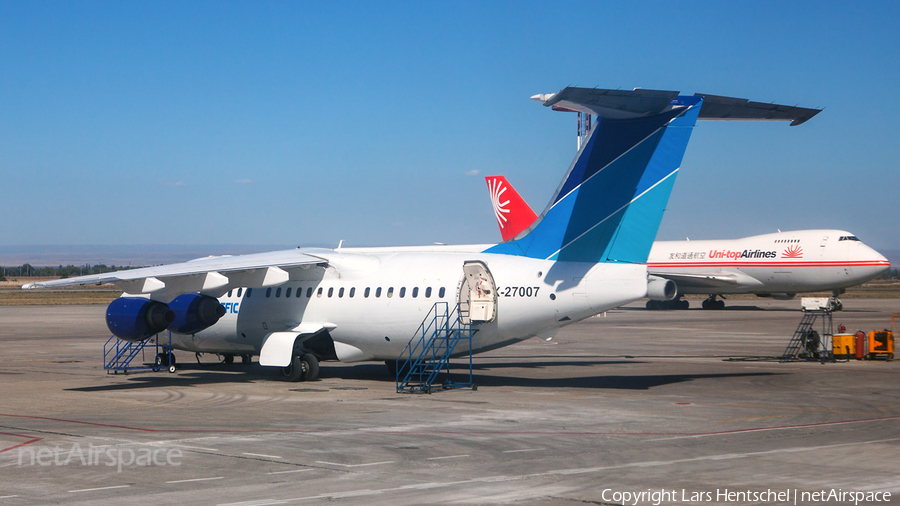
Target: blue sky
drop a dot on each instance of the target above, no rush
(311, 122)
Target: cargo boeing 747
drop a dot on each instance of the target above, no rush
(778, 265)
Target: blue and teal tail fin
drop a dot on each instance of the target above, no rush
(610, 203)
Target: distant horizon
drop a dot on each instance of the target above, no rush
(131, 255)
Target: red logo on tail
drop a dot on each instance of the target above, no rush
(512, 212)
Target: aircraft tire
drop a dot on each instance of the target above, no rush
(684, 304)
(310, 367)
(705, 304)
(720, 304)
(294, 371)
(246, 359)
(228, 359)
(653, 304)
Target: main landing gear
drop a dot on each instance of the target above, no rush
(676, 303)
(302, 368)
(713, 303)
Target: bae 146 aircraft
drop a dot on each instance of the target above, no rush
(776, 265)
(585, 254)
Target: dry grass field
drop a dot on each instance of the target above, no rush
(11, 294)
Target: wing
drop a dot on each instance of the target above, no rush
(700, 280)
(212, 275)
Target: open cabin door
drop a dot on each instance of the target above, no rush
(477, 293)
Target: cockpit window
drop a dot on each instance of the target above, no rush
(848, 238)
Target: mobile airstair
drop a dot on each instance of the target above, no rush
(119, 354)
(426, 358)
(807, 343)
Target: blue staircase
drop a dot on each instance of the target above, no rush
(118, 354)
(427, 355)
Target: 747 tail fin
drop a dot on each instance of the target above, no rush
(512, 212)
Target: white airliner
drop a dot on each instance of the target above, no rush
(776, 265)
(586, 254)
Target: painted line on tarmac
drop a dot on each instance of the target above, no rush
(32, 440)
(558, 472)
(752, 418)
(197, 479)
(448, 457)
(291, 471)
(782, 427)
(98, 488)
(356, 465)
(261, 455)
(379, 430)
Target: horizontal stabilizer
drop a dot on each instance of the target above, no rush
(729, 108)
(625, 104)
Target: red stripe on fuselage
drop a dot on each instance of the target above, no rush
(861, 263)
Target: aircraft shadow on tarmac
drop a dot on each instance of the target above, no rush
(197, 375)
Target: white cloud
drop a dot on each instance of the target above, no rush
(473, 172)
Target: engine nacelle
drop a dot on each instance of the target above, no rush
(136, 319)
(661, 289)
(778, 296)
(195, 312)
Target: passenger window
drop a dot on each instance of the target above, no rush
(366, 293)
(341, 292)
(239, 291)
(299, 292)
(249, 291)
(352, 292)
(278, 292)
(229, 291)
(415, 292)
(330, 292)
(378, 292)
(402, 292)
(287, 293)
(309, 292)
(390, 292)
(268, 292)
(428, 292)
(441, 292)
(319, 293)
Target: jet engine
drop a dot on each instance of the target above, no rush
(136, 319)
(778, 296)
(661, 289)
(194, 312)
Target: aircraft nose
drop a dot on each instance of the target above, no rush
(883, 264)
